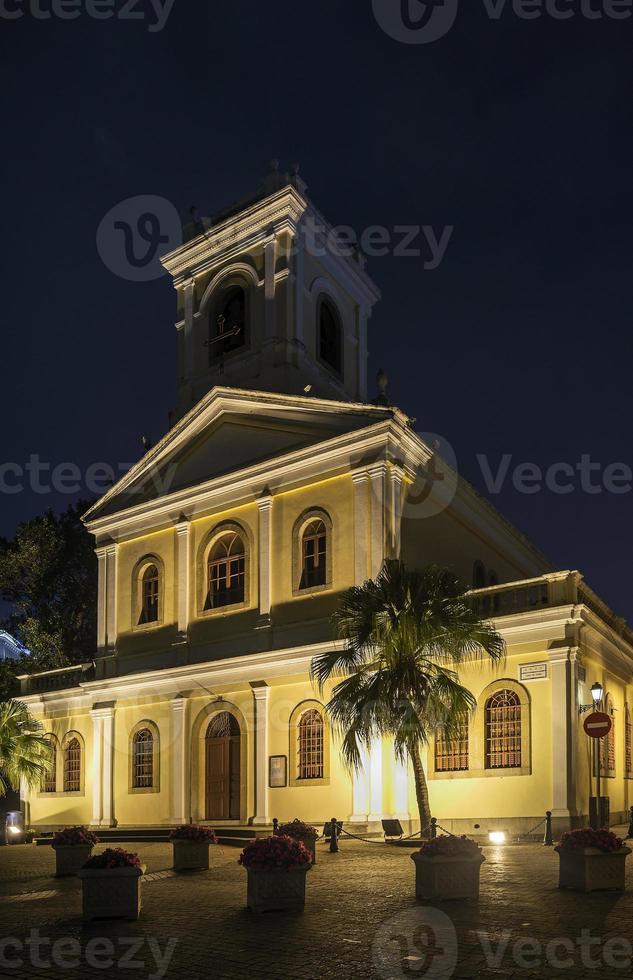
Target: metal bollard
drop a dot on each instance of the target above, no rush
(629, 836)
(275, 826)
(433, 828)
(334, 837)
(548, 840)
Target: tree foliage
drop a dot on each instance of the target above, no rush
(48, 576)
(25, 752)
(405, 635)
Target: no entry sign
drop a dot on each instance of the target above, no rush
(598, 725)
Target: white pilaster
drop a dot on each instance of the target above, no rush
(360, 791)
(102, 764)
(183, 532)
(111, 595)
(179, 760)
(375, 775)
(107, 789)
(360, 479)
(396, 482)
(378, 478)
(102, 573)
(261, 694)
(97, 755)
(562, 723)
(270, 261)
(189, 291)
(265, 506)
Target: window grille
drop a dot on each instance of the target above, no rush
(311, 763)
(452, 756)
(226, 572)
(72, 766)
(143, 760)
(503, 731)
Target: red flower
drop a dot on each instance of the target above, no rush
(278, 853)
(72, 836)
(114, 857)
(194, 833)
(445, 846)
(296, 828)
(603, 840)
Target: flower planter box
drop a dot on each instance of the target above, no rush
(191, 855)
(71, 859)
(277, 891)
(590, 869)
(443, 877)
(111, 893)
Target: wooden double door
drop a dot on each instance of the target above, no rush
(222, 769)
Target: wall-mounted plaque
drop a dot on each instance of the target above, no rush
(533, 672)
(582, 674)
(277, 771)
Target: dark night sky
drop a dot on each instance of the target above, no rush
(516, 132)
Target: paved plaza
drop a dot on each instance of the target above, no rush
(361, 920)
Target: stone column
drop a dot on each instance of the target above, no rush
(378, 477)
(102, 571)
(102, 764)
(562, 723)
(189, 291)
(375, 789)
(183, 533)
(179, 745)
(397, 475)
(401, 790)
(111, 596)
(97, 755)
(360, 791)
(360, 480)
(261, 694)
(265, 505)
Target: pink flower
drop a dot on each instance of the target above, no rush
(445, 846)
(603, 840)
(114, 857)
(193, 832)
(73, 836)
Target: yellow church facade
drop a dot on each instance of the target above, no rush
(223, 552)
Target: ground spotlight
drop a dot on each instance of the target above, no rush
(497, 837)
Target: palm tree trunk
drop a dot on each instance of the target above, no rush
(421, 788)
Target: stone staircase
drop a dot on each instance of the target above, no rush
(115, 836)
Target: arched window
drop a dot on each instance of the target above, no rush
(330, 336)
(72, 766)
(310, 752)
(628, 742)
(479, 575)
(503, 731)
(228, 323)
(150, 596)
(49, 779)
(452, 756)
(314, 555)
(226, 572)
(143, 759)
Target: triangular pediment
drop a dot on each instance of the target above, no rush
(228, 432)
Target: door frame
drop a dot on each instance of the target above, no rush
(198, 762)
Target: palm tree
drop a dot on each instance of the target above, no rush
(405, 635)
(25, 752)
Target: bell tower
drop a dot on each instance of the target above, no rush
(271, 298)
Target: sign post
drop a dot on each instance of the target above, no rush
(597, 726)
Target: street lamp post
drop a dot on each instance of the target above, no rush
(597, 692)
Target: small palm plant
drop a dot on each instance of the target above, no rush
(25, 752)
(405, 634)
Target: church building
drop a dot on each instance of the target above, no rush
(282, 482)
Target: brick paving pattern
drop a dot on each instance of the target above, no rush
(361, 920)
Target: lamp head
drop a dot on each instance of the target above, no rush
(596, 692)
